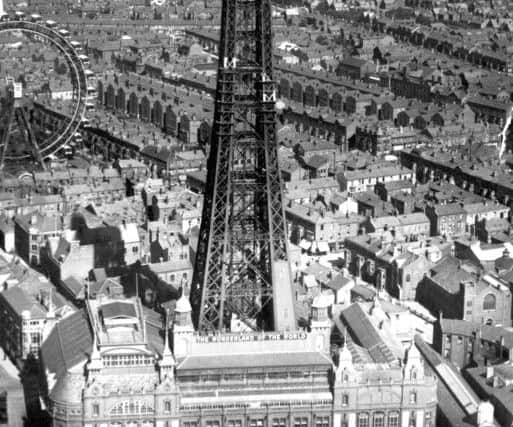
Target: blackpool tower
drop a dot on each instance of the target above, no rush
(242, 270)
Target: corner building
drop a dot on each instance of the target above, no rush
(111, 366)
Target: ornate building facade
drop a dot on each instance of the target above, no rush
(110, 365)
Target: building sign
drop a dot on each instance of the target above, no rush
(282, 336)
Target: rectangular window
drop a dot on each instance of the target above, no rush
(301, 422)
(413, 419)
(35, 338)
(96, 410)
(212, 423)
(363, 420)
(428, 420)
(234, 423)
(259, 422)
(279, 422)
(34, 247)
(345, 400)
(190, 424)
(167, 406)
(323, 421)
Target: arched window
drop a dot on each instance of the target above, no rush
(489, 302)
(131, 407)
(378, 419)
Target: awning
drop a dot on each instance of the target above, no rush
(305, 244)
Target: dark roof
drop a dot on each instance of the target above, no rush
(69, 343)
(363, 292)
(458, 327)
(504, 262)
(364, 334)
(448, 274)
(338, 282)
(316, 161)
(450, 209)
(352, 61)
(73, 285)
(118, 309)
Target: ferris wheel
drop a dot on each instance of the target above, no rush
(22, 138)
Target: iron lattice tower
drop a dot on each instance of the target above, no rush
(242, 266)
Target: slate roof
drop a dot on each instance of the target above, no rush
(69, 344)
(449, 276)
(316, 161)
(364, 334)
(458, 327)
(118, 309)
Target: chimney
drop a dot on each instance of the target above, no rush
(489, 372)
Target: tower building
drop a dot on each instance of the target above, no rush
(242, 271)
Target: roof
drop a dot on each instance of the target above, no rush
(449, 274)
(17, 299)
(8, 382)
(353, 62)
(363, 291)
(458, 327)
(447, 403)
(338, 282)
(371, 172)
(316, 161)
(69, 344)
(364, 334)
(73, 285)
(262, 360)
(475, 208)
(40, 221)
(450, 209)
(118, 309)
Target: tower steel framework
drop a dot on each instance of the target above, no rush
(242, 269)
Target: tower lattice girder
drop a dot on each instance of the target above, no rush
(242, 242)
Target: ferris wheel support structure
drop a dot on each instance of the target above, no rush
(14, 111)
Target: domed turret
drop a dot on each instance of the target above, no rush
(183, 329)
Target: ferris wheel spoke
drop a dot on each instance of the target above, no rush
(24, 123)
(7, 120)
(16, 123)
